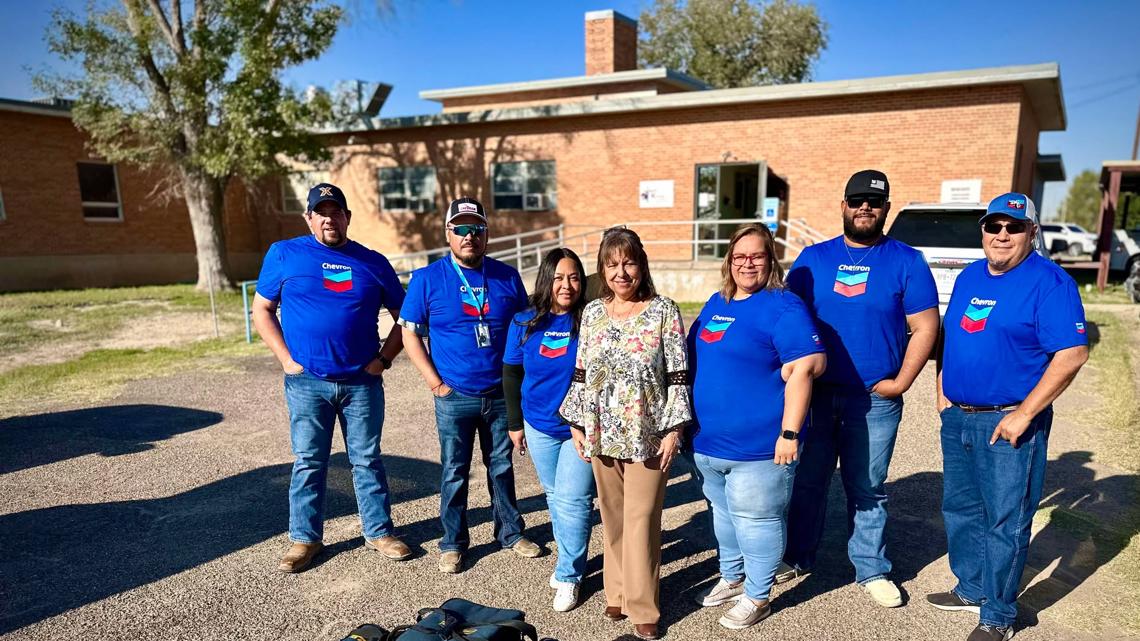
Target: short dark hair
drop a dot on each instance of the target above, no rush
(624, 242)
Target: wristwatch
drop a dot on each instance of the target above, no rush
(790, 435)
(384, 360)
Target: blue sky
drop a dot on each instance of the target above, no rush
(435, 44)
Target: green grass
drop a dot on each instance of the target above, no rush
(31, 318)
(99, 374)
(1113, 293)
(1118, 416)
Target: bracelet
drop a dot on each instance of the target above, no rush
(437, 386)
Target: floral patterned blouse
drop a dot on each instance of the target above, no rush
(630, 380)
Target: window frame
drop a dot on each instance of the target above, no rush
(430, 201)
(83, 204)
(284, 185)
(524, 176)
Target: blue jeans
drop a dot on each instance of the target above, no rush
(856, 428)
(570, 490)
(989, 496)
(314, 406)
(749, 510)
(459, 419)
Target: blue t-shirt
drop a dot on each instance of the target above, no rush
(330, 300)
(736, 350)
(1002, 331)
(547, 358)
(441, 307)
(860, 298)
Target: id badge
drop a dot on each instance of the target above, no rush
(482, 334)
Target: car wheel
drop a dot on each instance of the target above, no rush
(1076, 249)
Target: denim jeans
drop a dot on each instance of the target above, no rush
(749, 511)
(314, 406)
(569, 485)
(989, 496)
(856, 428)
(459, 419)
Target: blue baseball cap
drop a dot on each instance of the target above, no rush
(1015, 205)
(326, 191)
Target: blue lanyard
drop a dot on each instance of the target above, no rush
(480, 299)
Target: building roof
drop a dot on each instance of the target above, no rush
(1042, 83)
(667, 76)
(42, 106)
(1050, 167)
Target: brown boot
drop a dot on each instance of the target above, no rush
(646, 630)
(390, 547)
(299, 556)
(614, 613)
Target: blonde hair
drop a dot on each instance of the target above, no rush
(775, 270)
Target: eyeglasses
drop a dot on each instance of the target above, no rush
(464, 230)
(1013, 227)
(855, 202)
(751, 259)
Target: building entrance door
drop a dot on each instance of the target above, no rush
(731, 191)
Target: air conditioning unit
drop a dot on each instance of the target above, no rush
(535, 202)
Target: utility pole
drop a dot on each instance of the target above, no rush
(1136, 138)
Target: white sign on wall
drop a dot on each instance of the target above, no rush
(962, 191)
(655, 194)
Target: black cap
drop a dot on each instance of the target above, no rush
(869, 182)
(466, 207)
(326, 191)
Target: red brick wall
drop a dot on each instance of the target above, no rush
(917, 138)
(611, 45)
(1027, 136)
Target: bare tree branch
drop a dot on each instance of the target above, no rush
(160, 86)
(164, 25)
(176, 18)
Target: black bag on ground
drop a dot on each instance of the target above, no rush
(462, 620)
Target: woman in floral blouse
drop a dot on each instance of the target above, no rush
(627, 407)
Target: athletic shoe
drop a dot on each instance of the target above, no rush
(985, 632)
(950, 601)
(566, 596)
(884, 592)
(722, 592)
(745, 613)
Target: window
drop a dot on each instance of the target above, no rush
(408, 188)
(938, 228)
(295, 190)
(531, 185)
(1052, 228)
(99, 191)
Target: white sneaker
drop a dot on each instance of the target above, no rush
(884, 592)
(722, 592)
(745, 613)
(565, 595)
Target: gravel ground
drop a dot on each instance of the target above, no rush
(162, 514)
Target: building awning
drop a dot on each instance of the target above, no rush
(1050, 168)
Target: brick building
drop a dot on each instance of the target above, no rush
(619, 144)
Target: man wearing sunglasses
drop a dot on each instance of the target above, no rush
(464, 303)
(866, 291)
(1015, 338)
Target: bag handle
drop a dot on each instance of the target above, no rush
(524, 629)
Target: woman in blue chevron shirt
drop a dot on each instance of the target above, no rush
(542, 344)
(755, 337)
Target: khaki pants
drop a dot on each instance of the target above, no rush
(630, 498)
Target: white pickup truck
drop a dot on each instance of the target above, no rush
(948, 235)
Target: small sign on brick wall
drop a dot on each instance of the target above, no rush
(962, 191)
(655, 194)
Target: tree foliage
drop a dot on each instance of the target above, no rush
(1082, 203)
(733, 43)
(193, 89)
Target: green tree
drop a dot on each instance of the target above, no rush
(733, 43)
(1082, 203)
(198, 98)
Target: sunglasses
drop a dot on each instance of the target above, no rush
(1014, 227)
(855, 202)
(464, 230)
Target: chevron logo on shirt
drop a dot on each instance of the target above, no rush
(471, 303)
(976, 315)
(554, 344)
(714, 330)
(851, 280)
(338, 278)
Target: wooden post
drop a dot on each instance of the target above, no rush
(1107, 225)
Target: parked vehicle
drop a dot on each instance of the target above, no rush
(1125, 252)
(1080, 242)
(948, 235)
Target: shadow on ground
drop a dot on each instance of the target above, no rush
(42, 439)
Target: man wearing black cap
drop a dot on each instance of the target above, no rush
(1015, 339)
(331, 291)
(464, 303)
(866, 290)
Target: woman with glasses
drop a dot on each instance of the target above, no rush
(626, 407)
(753, 340)
(542, 344)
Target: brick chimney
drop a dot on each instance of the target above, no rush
(611, 42)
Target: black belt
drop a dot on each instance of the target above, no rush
(975, 409)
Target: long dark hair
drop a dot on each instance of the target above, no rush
(619, 241)
(542, 300)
